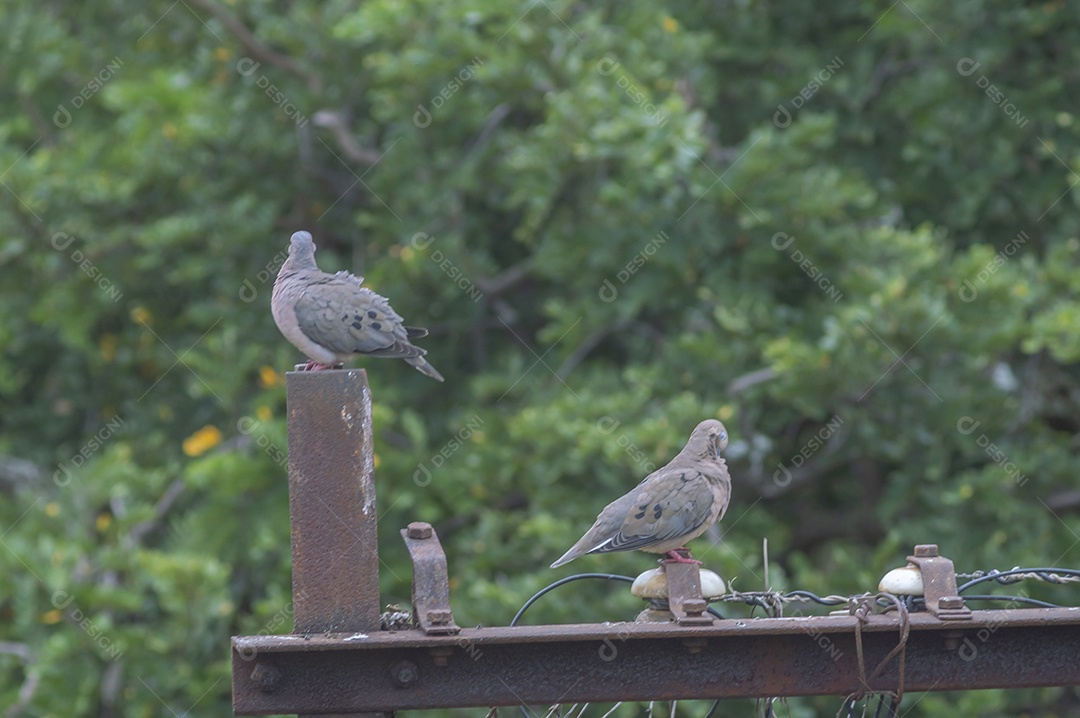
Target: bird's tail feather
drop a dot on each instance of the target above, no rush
(424, 367)
(567, 557)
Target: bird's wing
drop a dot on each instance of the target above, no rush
(670, 505)
(336, 312)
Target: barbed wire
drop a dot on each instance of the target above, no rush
(773, 601)
(1017, 574)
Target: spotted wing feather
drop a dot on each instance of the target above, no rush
(671, 507)
(338, 313)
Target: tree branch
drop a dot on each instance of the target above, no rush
(164, 504)
(505, 280)
(254, 47)
(744, 382)
(30, 683)
(338, 124)
(587, 345)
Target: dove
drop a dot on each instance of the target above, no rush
(331, 318)
(670, 506)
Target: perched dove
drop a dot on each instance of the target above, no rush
(671, 506)
(331, 318)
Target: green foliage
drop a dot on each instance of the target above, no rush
(855, 222)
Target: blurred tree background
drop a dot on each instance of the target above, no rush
(849, 231)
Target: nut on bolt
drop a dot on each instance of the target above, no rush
(439, 617)
(266, 677)
(420, 530)
(950, 602)
(926, 550)
(404, 673)
(694, 606)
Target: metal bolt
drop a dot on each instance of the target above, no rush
(441, 656)
(695, 645)
(439, 617)
(694, 606)
(266, 677)
(420, 530)
(926, 550)
(404, 673)
(950, 602)
(952, 640)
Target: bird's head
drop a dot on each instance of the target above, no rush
(708, 439)
(301, 243)
(302, 249)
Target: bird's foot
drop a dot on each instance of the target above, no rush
(316, 366)
(680, 555)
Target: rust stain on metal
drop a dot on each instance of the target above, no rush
(431, 586)
(332, 502)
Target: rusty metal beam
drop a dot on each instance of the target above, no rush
(541, 665)
(332, 502)
(335, 549)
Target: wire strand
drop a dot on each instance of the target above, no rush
(1015, 575)
(563, 582)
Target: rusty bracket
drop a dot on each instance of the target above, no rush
(939, 584)
(431, 586)
(684, 594)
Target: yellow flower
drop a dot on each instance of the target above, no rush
(53, 616)
(52, 509)
(967, 491)
(221, 54)
(141, 315)
(107, 344)
(104, 521)
(202, 441)
(263, 413)
(170, 131)
(268, 377)
(375, 461)
(670, 24)
(726, 412)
